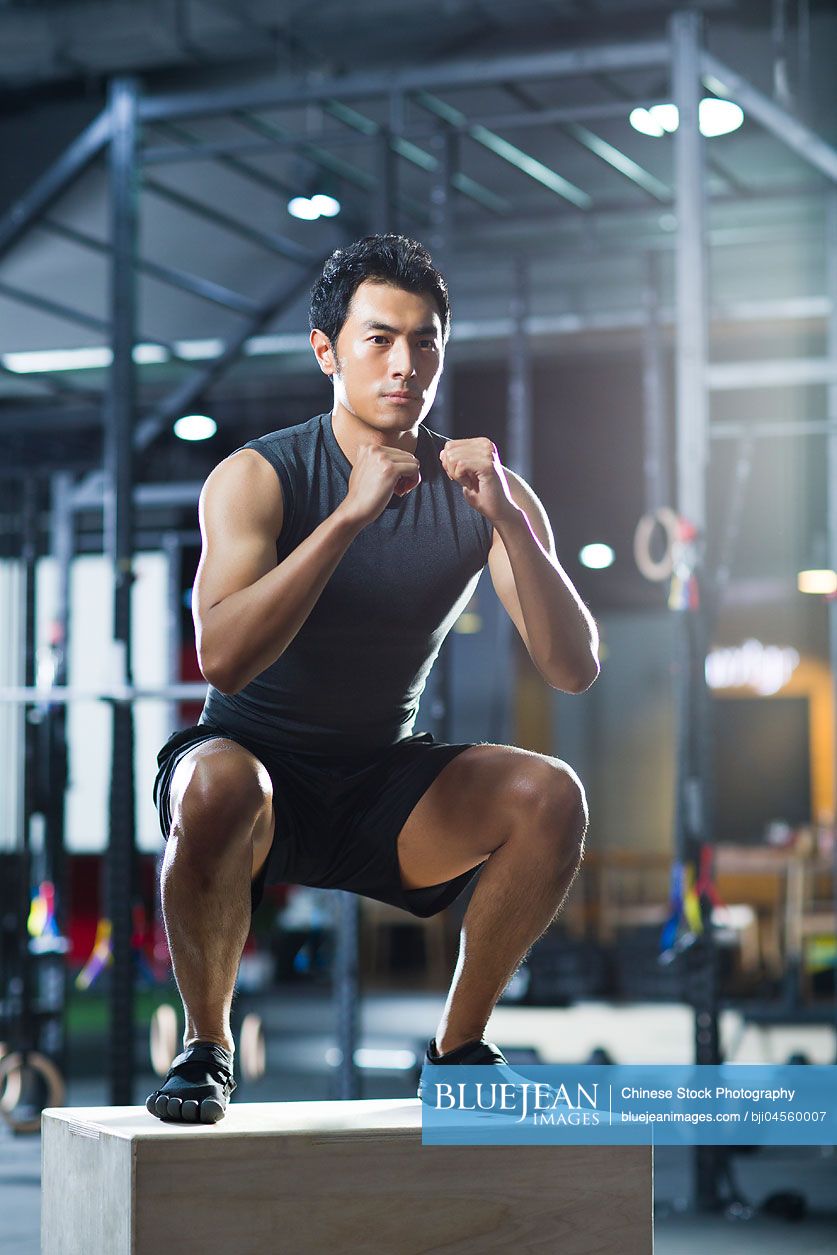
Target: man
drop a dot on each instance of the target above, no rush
(337, 555)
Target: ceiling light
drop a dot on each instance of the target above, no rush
(719, 117)
(301, 207)
(319, 205)
(195, 427)
(596, 556)
(149, 354)
(656, 121)
(199, 350)
(327, 206)
(36, 360)
(716, 117)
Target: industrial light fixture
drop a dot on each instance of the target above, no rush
(715, 117)
(320, 205)
(596, 557)
(92, 357)
(195, 427)
(818, 577)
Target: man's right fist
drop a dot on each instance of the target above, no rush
(378, 472)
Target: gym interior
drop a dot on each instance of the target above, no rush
(635, 208)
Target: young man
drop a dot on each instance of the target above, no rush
(337, 555)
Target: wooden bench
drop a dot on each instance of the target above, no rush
(303, 1178)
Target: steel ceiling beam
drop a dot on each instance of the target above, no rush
(180, 398)
(195, 285)
(418, 156)
(612, 156)
(624, 98)
(724, 81)
(70, 314)
(196, 144)
(467, 73)
(334, 166)
(522, 161)
(408, 137)
(254, 175)
(26, 211)
(57, 309)
(618, 161)
(270, 240)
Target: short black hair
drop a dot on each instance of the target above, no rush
(393, 259)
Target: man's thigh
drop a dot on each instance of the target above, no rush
(229, 785)
(471, 808)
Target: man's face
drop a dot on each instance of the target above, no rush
(390, 343)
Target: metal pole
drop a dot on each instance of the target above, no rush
(446, 150)
(691, 608)
(29, 553)
(62, 537)
(520, 377)
(118, 531)
(655, 463)
(347, 993)
(520, 459)
(386, 197)
(831, 478)
(173, 549)
(691, 407)
(690, 275)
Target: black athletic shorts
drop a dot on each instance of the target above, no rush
(337, 817)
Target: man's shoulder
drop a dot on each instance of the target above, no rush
(291, 434)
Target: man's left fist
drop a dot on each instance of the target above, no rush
(476, 465)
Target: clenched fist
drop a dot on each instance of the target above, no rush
(476, 465)
(379, 472)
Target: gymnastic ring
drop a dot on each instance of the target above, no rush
(13, 1064)
(11, 1086)
(162, 1038)
(661, 568)
(252, 1047)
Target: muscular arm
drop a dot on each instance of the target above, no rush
(246, 609)
(556, 627)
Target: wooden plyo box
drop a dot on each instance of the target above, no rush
(305, 1178)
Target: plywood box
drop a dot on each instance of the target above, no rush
(304, 1178)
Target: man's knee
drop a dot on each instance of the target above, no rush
(551, 803)
(220, 794)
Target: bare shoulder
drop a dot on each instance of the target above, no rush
(240, 513)
(246, 486)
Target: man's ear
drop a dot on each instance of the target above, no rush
(323, 351)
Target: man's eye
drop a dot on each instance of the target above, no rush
(428, 344)
(383, 339)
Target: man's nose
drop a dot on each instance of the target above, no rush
(401, 362)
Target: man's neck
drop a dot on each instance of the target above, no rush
(351, 432)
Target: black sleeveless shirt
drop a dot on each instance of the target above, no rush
(352, 677)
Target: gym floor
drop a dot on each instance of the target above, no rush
(300, 1035)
